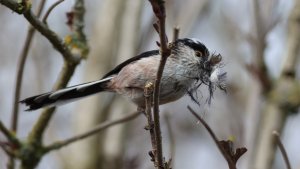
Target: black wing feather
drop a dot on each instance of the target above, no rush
(133, 59)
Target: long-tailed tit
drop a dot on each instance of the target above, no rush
(189, 65)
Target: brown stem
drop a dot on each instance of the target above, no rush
(9, 135)
(100, 127)
(282, 150)
(67, 70)
(50, 10)
(210, 131)
(148, 92)
(220, 144)
(176, 30)
(158, 7)
(53, 38)
(21, 65)
(19, 79)
(14, 6)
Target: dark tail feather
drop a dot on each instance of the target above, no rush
(65, 95)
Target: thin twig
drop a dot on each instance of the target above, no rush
(13, 141)
(20, 69)
(282, 150)
(8, 151)
(225, 147)
(148, 92)
(8, 134)
(19, 78)
(53, 38)
(176, 30)
(100, 127)
(211, 133)
(50, 10)
(158, 7)
(68, 68)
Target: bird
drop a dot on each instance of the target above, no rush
(189, 66)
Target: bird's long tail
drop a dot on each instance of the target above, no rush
(65, 95)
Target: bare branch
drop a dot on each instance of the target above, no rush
(175, 33)
(148, 92)
(80, 48)
(21, 65)
(225, 147)
(14, 6)
(211, 133)
(50, 10)
(158, 7)
(9, 135)
(100, 127)
(54, 39)
(20, 69)
(282, 149)
(9, 153)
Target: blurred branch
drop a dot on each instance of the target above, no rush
(100, 127)
(9, 135)
(50, 10)
(72, 51)
(282, 97)
(54, 39)
(19, 78)
(282, 149)
(20, 69)
(225, 147)
(176, 30)
(9, 153)
(262, 27)
(290, 63)
(14, 6)
(159, 10)
(77, 45)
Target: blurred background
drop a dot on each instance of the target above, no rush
(255, 38)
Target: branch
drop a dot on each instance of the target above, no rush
(9, 153)
(148, 93)
(260, 44)
(19, 78)
(54, 39)
(159, 10)
(78, 46)
(100, 127)
(282, 149)
(14, 6)
(225, 147)
(50, 10)
(176, 30)
(9, 135)
(293, 43)
(20, 69)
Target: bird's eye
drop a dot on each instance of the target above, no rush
(199, 54)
